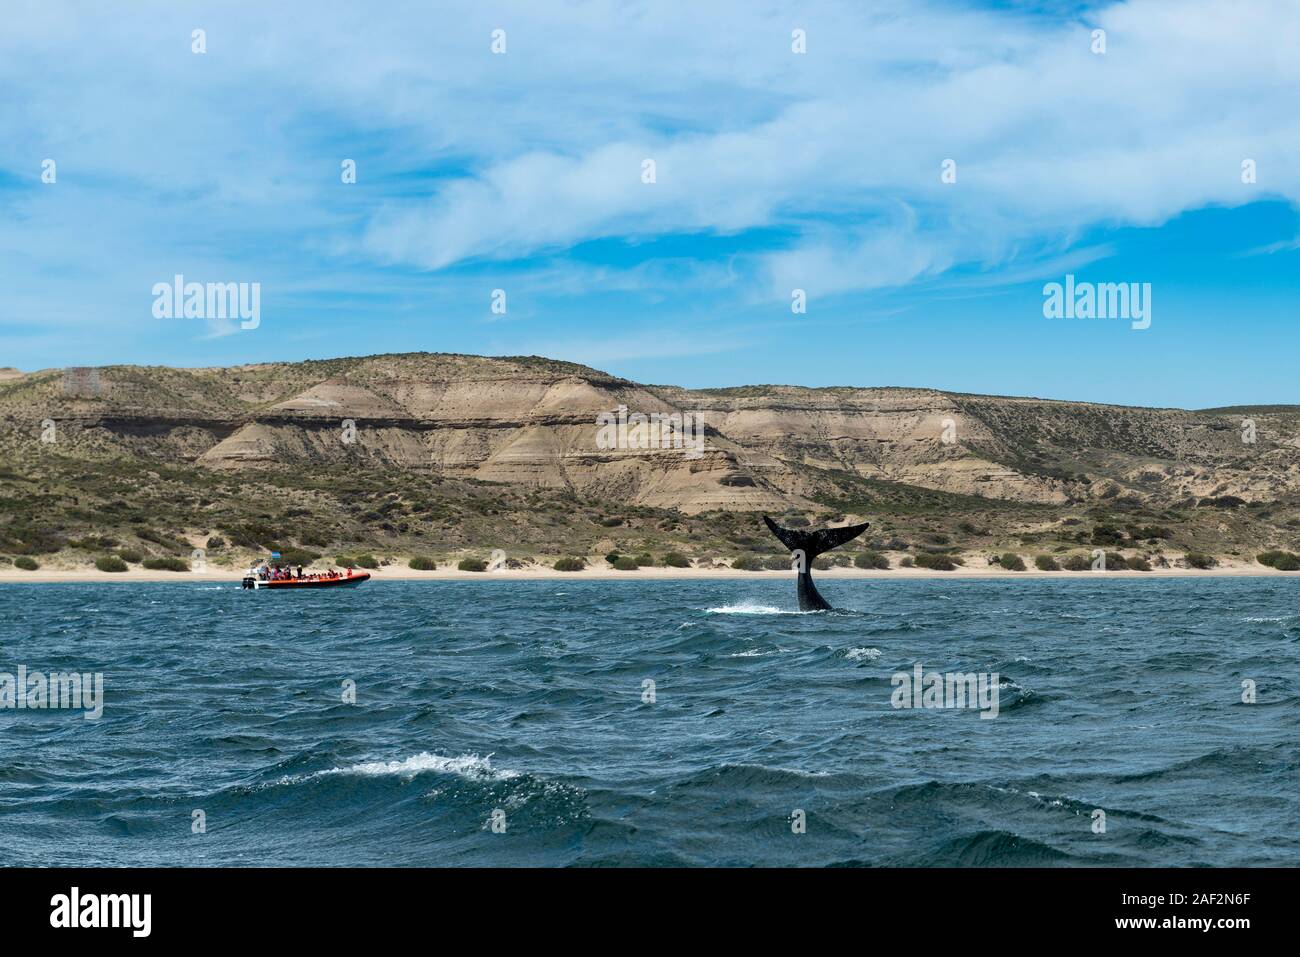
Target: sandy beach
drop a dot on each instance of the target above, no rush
(395, 572)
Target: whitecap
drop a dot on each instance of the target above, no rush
(862, 654)
(469, 766)
(1054, 802)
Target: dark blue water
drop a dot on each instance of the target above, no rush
(526, 698)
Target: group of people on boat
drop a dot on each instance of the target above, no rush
(280, 573)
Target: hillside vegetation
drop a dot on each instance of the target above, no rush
(450, 457)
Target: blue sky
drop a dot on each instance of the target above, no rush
(775, 170)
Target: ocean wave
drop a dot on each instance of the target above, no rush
(471, 767)
(995, 848)
(1012, 694)
(744, 777)
(1228, 761)
(862, 654)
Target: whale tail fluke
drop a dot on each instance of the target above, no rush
(813, 541)
(810, 543)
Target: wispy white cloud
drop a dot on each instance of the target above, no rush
(826, 165)
(1268, 249)
(1049, 138)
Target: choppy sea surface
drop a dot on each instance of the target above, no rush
(526, 702)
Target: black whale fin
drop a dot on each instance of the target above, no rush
(812, 542)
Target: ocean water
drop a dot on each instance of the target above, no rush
(525, 700)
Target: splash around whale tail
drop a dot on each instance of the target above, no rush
(813, 541)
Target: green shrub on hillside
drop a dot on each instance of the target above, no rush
(472, 565)
(166, 564)
(1046, 563)
(171, 544)
(110, 563)
(570, 564)
(1282, 561)
(131, 555)
(31, 540)
(748, 563)
(300, 556)
(1200, 560)
(1076, 563)
(1106, 535)
(1011, 562)
(676, 560)
(625, 564)
(871, 560)
(422, 563)
(942, 563)
(26, 564)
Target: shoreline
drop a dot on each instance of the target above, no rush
(46, 576)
